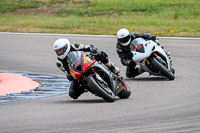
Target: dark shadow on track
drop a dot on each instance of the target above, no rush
(147, 79)
(85, 101)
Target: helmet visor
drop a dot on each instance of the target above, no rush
(125, 39)
(61, 51)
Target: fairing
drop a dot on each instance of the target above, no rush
(79, 64)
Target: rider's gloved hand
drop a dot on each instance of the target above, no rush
(93, 50)
(97, 55)
(153, 37)
(69, 77)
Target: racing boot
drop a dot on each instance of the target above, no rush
(137, 71)
(112, 67)
(132, 72)
(75, 90)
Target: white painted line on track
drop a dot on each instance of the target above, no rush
(82, 35)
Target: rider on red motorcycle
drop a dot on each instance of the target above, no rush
(62, 47)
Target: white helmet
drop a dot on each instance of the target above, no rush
(62, 48)
(124, 37)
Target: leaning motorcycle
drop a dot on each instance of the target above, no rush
(152, 58)
(95, 77)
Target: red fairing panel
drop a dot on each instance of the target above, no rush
(76, 75)
(87, 63)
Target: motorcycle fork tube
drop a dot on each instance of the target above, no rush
(148, 62)
(94, 71)
(159, 59)
(155, 54)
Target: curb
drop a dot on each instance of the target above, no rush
(49, 86)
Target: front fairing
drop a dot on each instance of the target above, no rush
(142, 49)
(75, 60)
(79, 64)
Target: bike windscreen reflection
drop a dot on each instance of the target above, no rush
(136, 42)
(74, 57)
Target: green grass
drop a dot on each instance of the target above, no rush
(13, 5)
(163, 18)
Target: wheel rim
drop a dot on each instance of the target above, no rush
(104, 87)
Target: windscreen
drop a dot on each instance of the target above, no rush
(74, 57)
(136, 42)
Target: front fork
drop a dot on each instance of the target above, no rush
(157, 58)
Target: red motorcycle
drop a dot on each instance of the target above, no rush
(94, 76)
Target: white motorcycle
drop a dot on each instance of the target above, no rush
(152, 58)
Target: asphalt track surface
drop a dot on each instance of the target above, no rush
(155, 106)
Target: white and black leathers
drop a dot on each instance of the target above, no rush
(124, 52)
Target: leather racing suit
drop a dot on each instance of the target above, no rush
(75, 89)
(124, 52)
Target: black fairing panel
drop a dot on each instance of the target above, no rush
(108, 73)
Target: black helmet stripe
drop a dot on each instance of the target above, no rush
(125, 39)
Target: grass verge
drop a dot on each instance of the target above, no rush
(163, 18)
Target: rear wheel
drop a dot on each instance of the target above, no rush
(163, 69)
(100, 88)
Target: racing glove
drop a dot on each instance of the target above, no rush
(69, 77)
(153, 37)
(102, 56)
(93, 50)
(149, 36)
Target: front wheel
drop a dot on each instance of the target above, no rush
(101, 89)
(163, 69)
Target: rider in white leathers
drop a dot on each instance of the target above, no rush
(124, 39)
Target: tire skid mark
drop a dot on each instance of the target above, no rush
(49, 86)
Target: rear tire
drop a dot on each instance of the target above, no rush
(161, 68)
(105, 93)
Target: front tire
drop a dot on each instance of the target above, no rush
(161, 68)
(124, 93)
(104, 92)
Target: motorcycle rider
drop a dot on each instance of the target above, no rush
(62, 47)
(124, 39)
